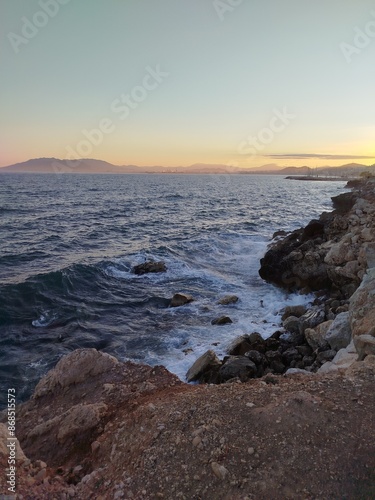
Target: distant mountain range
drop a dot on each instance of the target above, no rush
(92, 166)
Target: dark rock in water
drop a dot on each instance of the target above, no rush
(205, 368)
(150, 267)
(228, 299)
(180, 299)
(222, 320)
(237, 366)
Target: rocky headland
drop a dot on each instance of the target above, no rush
(289, 417)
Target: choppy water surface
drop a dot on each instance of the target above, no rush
(68, 243)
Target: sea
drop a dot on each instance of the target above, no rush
(68, 243)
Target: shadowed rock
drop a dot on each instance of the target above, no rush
(150, 267)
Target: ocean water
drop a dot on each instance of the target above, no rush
(68, 243)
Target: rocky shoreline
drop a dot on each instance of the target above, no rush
(296, 402)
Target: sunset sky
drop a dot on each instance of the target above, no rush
(177, 82)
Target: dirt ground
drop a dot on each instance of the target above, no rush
(298, 437)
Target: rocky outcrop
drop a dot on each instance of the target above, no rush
(72, 403)
(329, 254)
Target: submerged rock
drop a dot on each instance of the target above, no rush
(222, 320)
(228, 299)
(150, 267)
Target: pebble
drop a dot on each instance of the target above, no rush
(197, 441)
(41, 475)
(219, 470)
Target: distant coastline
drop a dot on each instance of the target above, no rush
(94, 166)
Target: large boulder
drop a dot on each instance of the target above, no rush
(316, 337)
(203, 366)
(339, 334)
(237, 367)
(245, 343)
(312, 318)
(343, 360)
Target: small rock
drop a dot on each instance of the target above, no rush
(197, 441)
(180, 299)
(219, 470)
(325, 356)
(228, 299)
(42, 474)
(222, 320)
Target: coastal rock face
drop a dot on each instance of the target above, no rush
(73, 402)
(75, 368)
(362, 307)
(331, 253)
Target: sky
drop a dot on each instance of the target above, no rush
(178, 82)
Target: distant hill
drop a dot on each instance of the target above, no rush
(92, 166)
(54, 165)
